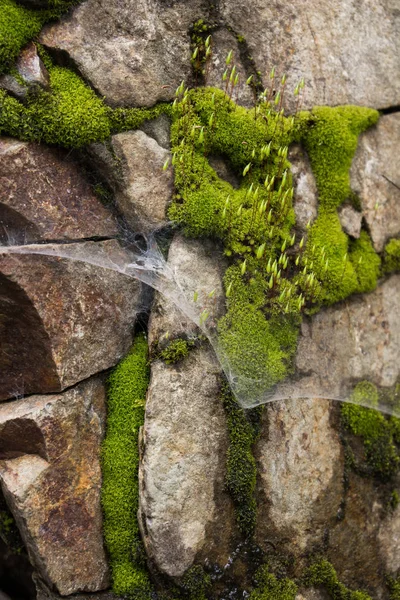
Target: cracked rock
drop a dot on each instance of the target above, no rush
(44, 196)
(50, 476)
(375, 178)
(62, 320)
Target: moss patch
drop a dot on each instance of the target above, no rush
(322, 573)
(391, 258)
(269, 587)
(380, 435)
(127, 387)
(272, 280)
(241, 472)
(176, 350)
(19, 25)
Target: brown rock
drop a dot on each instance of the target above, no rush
(132, 54)
(62, 320)
(13, 87)
(31, 68)
(348, 53)
(134, 168)
(50, 476)
(300, 465)
(375, 178)
(44, 196)
(357, 340)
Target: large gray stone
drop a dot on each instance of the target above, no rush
(300, 464)
(133, 53)
(62, 320)
(375, 178)
(50, 476)
(133, 165)
(185, 513)
(44, 196)
(348, 53)
(357, 340)
(305, 199)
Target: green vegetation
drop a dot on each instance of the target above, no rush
(380, 435)
(243, 427)
(9, 532)
(176, 350)
(127, 387)
(273, 278)
(19, 25)
(322, 573)
(269, 587)
(394, 588)
(391, 258)
(194, 584)
(71, 115)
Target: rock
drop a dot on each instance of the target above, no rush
(223, 41)
(375, 178)
(354, 549)
(389, 541)
(51, 478)
(300, 465)
(199, 267)
(355, 341)
(31, 68)
(44, 196)
(305, 199)
(62, 320)
(350, 220)
(11, 85)
(160, 130)
(134, 169)
(184, 512)
(133, 55)
(44, 593)
(346, 54)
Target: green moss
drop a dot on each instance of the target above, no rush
(394, 588)
(391, 258)
(19, 25)
(322, 573)
(331, 141)
(71, 115)
(394, 500)
(9, 531)
(176, 350)
(269, 587)
(379, 434)
(195, 583)
(241, 469)
(127, 387)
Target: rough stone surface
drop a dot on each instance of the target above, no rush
(300, 465)
(11, 85)
(348, 54)
(31, 68)
(184, 512)
(44, 196)
(357, 340)
(375, 178)
(133, 54)
(62, 320)
(223, 41)
(50, 476)
(134, 168)
(305, 200)
(198, 266)
(312, 594)
(160, 130)
(350, 220)
(389, 541)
